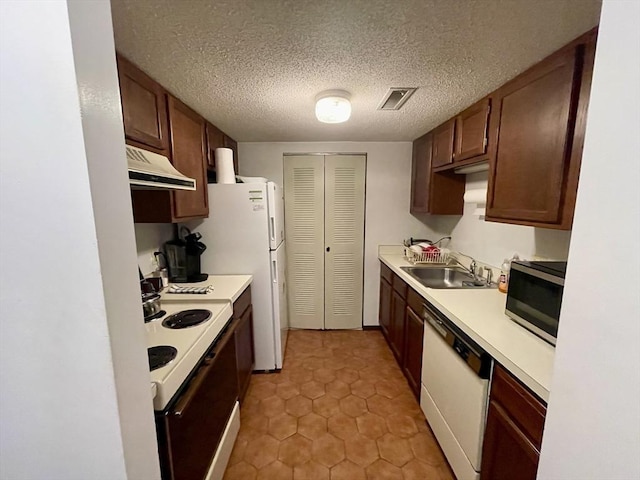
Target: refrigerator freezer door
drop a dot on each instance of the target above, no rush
(276, 215)
(279, 296)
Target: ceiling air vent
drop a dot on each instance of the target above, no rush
(395, 98)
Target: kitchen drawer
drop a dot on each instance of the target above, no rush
(242, 303)
(399, 286)
(415, 301)
(526, 410)
(385, 272)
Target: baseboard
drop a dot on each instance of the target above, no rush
(371, 327)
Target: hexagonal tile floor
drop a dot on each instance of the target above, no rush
(339, 409)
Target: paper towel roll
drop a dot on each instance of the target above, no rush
(477, 195)
(224, 166)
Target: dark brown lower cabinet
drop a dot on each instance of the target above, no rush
(513, 433)
(384, 316)
(396, 331)
(402, 325)
(243, 335)
(412, 365)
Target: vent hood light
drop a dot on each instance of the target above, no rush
(148, 170)
(333, 106)
(395, 98)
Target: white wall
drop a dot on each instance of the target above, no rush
(75, 399)
(151, 237)
(387, 218)
(592, 429)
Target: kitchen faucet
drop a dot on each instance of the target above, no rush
(473, 267)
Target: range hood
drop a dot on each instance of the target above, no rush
(148, 170)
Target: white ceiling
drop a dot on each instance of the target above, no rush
(254, 67)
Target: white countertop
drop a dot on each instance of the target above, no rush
(480, 314)
(226, 288)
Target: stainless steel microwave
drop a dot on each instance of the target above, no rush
(534, 297)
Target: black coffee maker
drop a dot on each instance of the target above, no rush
(183, 258)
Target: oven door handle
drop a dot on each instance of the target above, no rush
(194, 385)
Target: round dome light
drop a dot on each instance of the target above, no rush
(333, 106)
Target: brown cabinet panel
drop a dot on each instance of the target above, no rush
(384, 313)
(513, 433)
(421, 174)
(533, 133)
(396, 329)
(527, 411)
(386, 273)
(538, 120)
(442, 149)
(215, 139)
(507, 453)
(399, 285)
(438, 193)
(471, 131)
(413, 337)
(187, 130)
(245, 355)
(144, 108)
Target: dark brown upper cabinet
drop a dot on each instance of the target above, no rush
(144, 108)
(436, 193)
(538, 120)
(443, 144)
(215, 139)
(471, 131)
(421, 174)
(188, 155)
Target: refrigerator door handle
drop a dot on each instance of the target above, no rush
(274, 272)
(272, 228)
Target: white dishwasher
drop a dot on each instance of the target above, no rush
(454, 393)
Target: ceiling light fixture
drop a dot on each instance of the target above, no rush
(333, 106)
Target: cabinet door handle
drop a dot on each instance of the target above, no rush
(328, 249)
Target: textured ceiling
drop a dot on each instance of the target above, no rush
(254, 67)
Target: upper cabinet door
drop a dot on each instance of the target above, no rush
(443, 144)
(144, 108)
(421, 174)
(188, 156)
(534, 117)
(471, 131)
(233, 145)
(215, 139)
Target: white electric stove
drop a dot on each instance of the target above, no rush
(189, 344)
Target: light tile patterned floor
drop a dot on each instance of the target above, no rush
(339, 409)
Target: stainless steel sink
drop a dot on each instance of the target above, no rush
(445, 277)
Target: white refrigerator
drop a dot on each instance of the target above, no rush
(244, 234)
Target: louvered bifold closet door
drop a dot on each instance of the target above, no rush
(304, 237)
(344, 240)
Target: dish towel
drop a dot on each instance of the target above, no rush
(196, 290)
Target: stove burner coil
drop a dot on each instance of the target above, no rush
(187, 318)
(160, 355)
